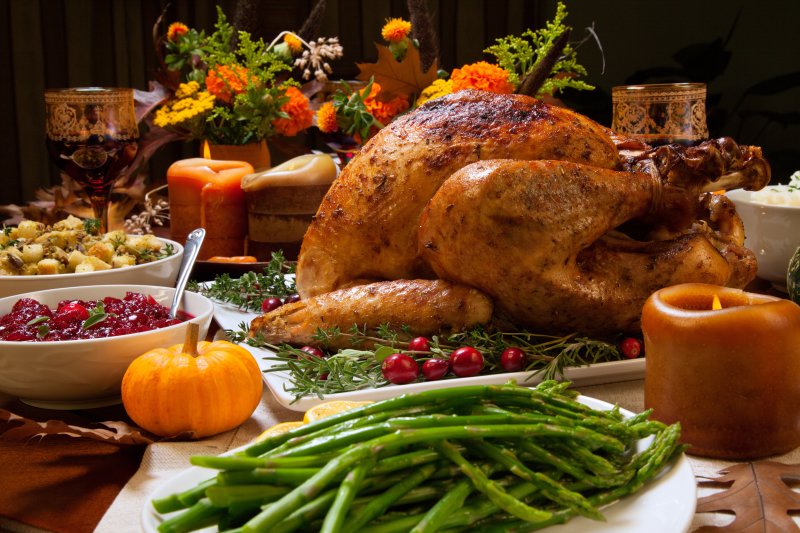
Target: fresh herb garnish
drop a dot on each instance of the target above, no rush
(42, 331)
(37, 320)
(360, 367)
(251, 289)
(91, 226)
(96, 315)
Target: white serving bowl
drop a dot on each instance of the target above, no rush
(772, 233)
(162, 272)
(87, 373)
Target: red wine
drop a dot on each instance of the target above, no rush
(95, 162)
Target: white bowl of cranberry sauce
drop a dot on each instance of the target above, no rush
(69, 348)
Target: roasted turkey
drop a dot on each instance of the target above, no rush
(563, 225)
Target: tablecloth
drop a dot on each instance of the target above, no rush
(164, 460)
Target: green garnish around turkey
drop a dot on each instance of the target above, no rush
(364, 365)
(250, 290)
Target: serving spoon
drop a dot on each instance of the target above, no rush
(190, 250)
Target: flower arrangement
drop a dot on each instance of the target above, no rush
(517, 57)
(232, 89)
(359, 113)
(393, 82)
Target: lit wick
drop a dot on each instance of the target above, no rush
(716, 305)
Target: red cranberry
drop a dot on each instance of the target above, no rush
(466, 361)
(313, 351)
(400, 368)
(292, 298)
(630, 347)
(270, 304)
(434, 369)
(419, 344)
(74, 309)
(512, 359)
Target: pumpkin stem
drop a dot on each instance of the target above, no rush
(190, 344)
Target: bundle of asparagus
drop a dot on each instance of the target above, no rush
(487, 458)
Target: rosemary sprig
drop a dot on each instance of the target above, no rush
(251, 289)
(360, 367)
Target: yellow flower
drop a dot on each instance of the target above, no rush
(175, 30)
(326, 118)
(293, 42)
(187, 89)
(395, 30)
(179, 111)
(436, 89)
(483, 76)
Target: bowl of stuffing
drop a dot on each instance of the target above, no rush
(771, 220)
(72, 252)
(68, 348)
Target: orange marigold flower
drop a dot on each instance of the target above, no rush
(481, 75)
(395, 30)
(300, 115)
(326, 118)
(383, 111)
(175, 30)
(226, 81)
(295, 45)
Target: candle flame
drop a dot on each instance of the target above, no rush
(716, 304)
(206, 150)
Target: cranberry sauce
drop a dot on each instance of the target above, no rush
(30, 320)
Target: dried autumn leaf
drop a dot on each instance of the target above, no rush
(757, 494)
(398, 78)
(23, 429)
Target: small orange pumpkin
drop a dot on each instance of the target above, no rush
(204, 388)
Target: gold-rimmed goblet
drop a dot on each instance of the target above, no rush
(661, 113)
(92, 135)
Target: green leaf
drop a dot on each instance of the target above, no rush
(42, 331)
(37, 320)
(96, 315)
(383, 352)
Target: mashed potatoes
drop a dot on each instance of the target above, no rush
(780, 194)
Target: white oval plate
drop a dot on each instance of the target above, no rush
(665, 505)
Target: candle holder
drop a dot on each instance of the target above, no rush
(730, 376)
(661, 113)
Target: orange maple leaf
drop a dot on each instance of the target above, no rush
(398, 78)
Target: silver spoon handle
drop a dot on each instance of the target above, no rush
(190, 250)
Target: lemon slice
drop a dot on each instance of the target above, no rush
(277, 429)
(330, 408)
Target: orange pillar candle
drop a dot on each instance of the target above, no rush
(730, 376)
(207, 193)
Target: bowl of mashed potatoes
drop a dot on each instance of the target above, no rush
(771, 219)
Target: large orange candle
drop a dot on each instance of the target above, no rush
(207, 193)
(730, 376)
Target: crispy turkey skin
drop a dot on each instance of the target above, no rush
(529, 204)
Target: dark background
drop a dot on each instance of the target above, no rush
(747, 52)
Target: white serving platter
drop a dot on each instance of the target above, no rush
(665, 505)
(229, 317)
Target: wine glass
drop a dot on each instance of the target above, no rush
(92, 135)
(661, 113)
